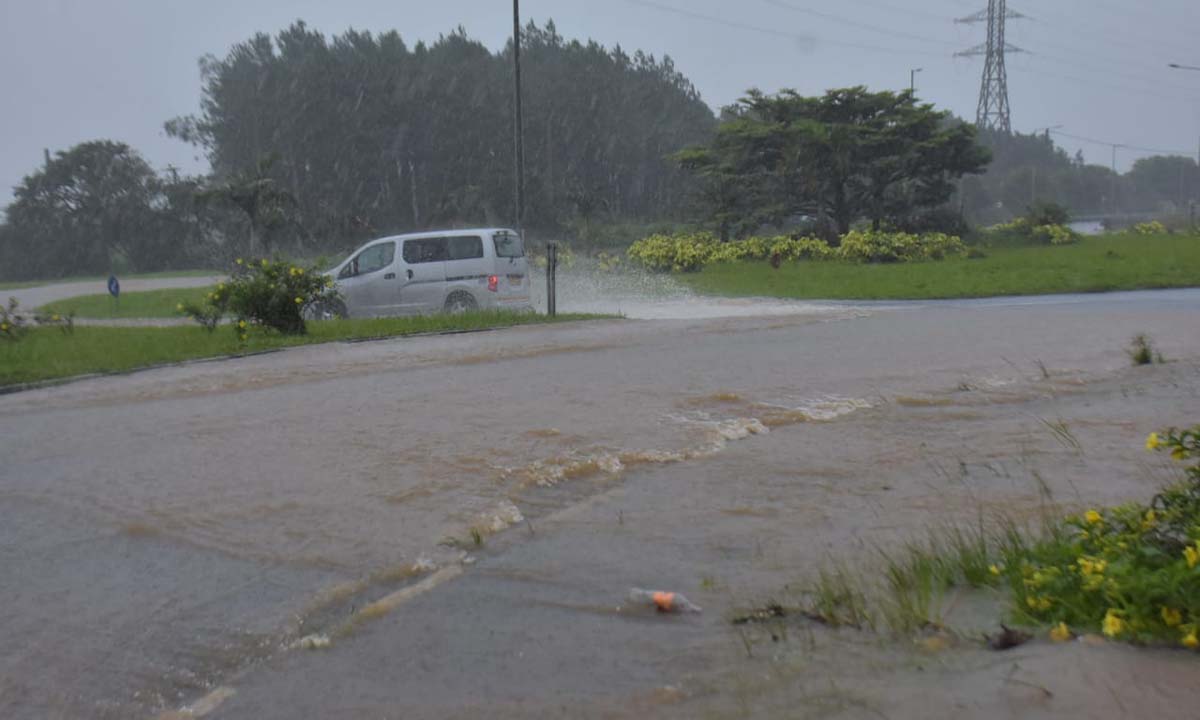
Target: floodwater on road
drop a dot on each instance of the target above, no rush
(165, 533)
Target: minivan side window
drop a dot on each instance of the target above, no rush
(373, 259)
(464, 247)
(509, 245)
(425, 250)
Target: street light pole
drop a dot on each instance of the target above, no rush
(518, 121)
(1177, 66)
(912, 80)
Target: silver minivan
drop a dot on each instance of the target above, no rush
(450, 271)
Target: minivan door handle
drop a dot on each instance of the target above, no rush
(390, 276)
(409, 274)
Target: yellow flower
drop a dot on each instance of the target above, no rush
(1171, 616)
(242, 324)
(1191, 555)
(994, 570)
(299, 301)
(1189, 641)
(238, 261)
(1149, 521)
(55, 318)
(1093, 517)
(3, 327)
(1178, 453)
(1152, 442)
(1038, 603)
(1113, 625)
(1060, 632)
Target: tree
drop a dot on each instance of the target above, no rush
(266, 207)
(846, 155)
(86, 209)
(372, 135)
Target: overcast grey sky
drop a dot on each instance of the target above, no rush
(76, 70)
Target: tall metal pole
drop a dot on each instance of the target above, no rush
(519, 122)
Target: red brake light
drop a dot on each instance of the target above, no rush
(494, 283)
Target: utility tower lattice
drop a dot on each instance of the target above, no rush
(993, 91)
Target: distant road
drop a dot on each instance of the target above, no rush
(33, 297)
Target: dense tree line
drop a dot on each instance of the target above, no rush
(317, 142)
(1030, 169)
(369, 135)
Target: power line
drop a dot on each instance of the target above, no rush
(855, 23)
(1124, 146)
(806, 39)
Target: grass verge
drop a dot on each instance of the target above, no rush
(1096, 264)
(144, 304)
(47, 353)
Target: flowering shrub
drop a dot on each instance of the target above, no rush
(1131, 572)
(885, 247)
(1050, 233)
(269, 293)
(1150, 228)
(14, 324)
(688, 253)
(1054, 234)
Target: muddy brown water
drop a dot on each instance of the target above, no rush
(174, 531)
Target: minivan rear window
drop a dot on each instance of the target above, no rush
(425, 250)
(464, 247)
(509, 245)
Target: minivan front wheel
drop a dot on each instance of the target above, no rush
(329, 310)
(460, 302)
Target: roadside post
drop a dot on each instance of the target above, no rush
(551, 279)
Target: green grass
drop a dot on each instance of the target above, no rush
(145, 304)
(47, 353)
(99, 279)
(1097, 264)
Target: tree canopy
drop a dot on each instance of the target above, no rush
(847, 155)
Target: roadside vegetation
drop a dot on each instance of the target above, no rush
(45, 353)
(1092, 264)
(1129, 573)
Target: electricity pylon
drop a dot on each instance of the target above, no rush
(993, 91)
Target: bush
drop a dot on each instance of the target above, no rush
(882, 247)
(1054, 234)
(1047, 213)
(688, 253)
(14, 324)
(272, 294)
(1150, 228)
(1131, 572)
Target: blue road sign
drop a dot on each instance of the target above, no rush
(114, 286)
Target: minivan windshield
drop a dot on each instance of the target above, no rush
(509, 245)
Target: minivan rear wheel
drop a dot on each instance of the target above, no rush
(460, 302)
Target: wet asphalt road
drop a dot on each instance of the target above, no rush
(169, 534)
